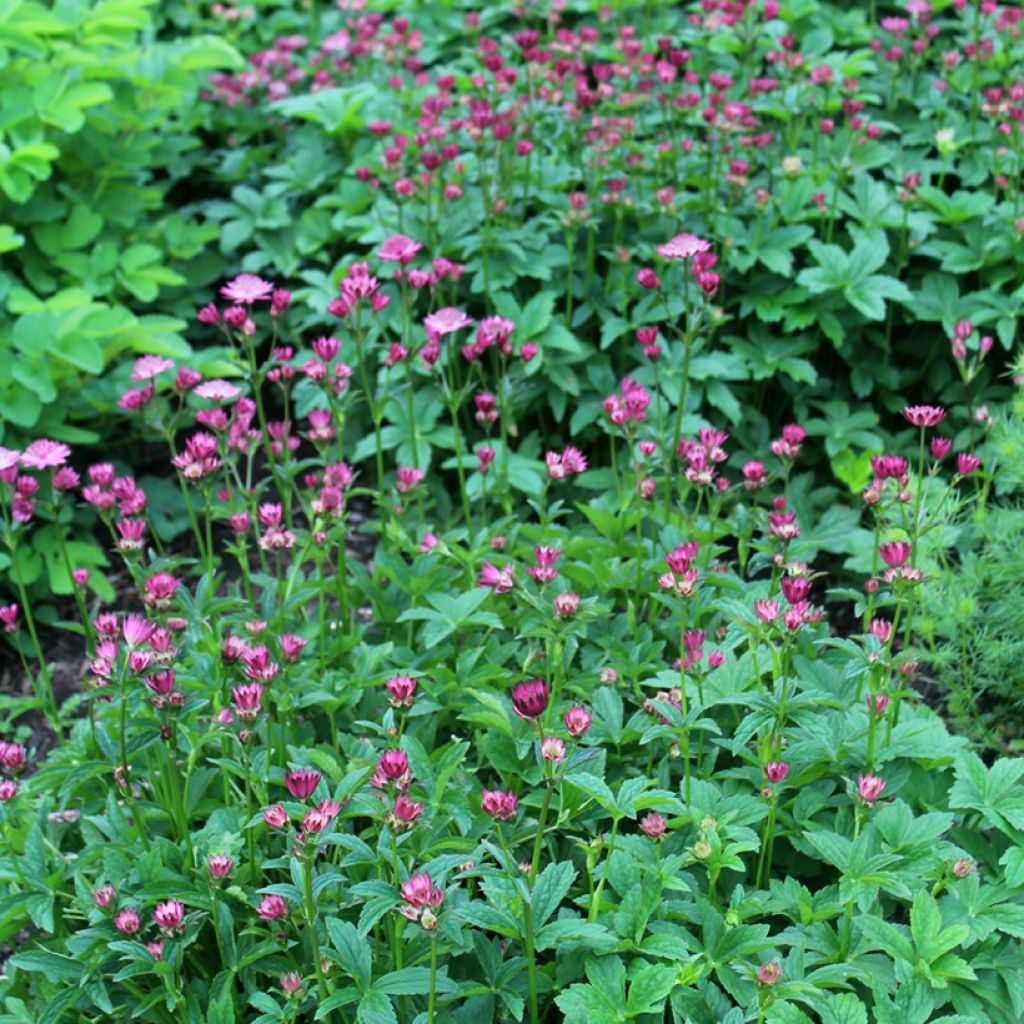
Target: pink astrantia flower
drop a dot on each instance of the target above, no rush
(147, 367)
(408, 478)
(399, 249)
(499, 805)
(8, 459)
(127, 922)
(966, 464)
(247, 289)
(446, 321)
(530, 698)
(501, 581)
(168, 916)
(682, 247)
(577, 720)
(45, 454)
(217, 390)
(272, 907)
(924, 415)
(896, 554)
(302, 783)
(653, 826)
(870, 788)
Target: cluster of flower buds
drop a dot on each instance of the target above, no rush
(544, 571)
(493, 331)
(630, 407)
(681, 578)
(648, 338)
(570, 462)
(333, 381)
(13, 761)
(392, 771)
(788, 446)
(486, 411)
(702, 456)
(421, 899)
(359, 285)
(500, 805)
(501, 581)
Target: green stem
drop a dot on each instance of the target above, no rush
(462, 473)
(433, 977)
(314, 938)
(47, 697)
(595, 903)
(538, 841)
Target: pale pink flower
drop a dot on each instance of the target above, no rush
(217, 390)
(272, 907)
(147, 367)
(924, 415)
(247, 289)
(446, 321)
(682, 247)
(399, 249)
(45, 454)
(501, 581)
(870, 788)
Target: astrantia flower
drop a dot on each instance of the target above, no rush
(9, 617)
(553, 750)
(769, 973)
(9, 459)
(272, 907)
(408, 478)
(499, 805)
(401, 691)
(220, 865)
(530, 698)
(275, 817)
(501, 581)
(577, 720)
(45, 454)
(776, 771)
(398, 249)
(653, 826)
(870, 788)
(924, 415)
(217, 390)
(127, 922)
(247, 289)
(896, 554)
(147, 367)
(302, 783)
(446, 321)
(966, 464)
(136, 630)
(168, 916)
(682, 247)
(420, 891)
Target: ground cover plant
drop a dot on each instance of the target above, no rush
(548, 582)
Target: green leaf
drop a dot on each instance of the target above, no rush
(650, 988)
(550, 890)
(410, 981)
(596, 788)
(54, 966)
(375, 1008)
(844, 1008)
(353, 950)
(206, 52)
